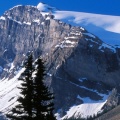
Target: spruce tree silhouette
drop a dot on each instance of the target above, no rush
(43, 98)
(35, 101)
(23, 111)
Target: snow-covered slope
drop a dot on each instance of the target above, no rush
(84, 110)
(88, 108)
(105, 27)
(9, 92)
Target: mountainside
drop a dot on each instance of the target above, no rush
(82, 70)
(106, 27)
(114, 114)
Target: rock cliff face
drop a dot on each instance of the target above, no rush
(77, 62)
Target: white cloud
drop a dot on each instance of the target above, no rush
(114, 27)
(107, 22)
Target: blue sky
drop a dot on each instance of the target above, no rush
(111, 7)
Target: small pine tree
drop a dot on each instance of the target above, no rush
(23, 111)
(43, 99)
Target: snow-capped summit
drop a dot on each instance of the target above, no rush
(98, 24)
(45, 8)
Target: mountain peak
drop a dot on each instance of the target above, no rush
(45, 8)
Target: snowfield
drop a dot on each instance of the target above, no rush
(88, 108)
(84, 110)
(9, 92)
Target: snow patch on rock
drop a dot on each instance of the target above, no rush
(89, 34)
(2, 18)
(103, 46)
(45, 8)
(41, 7)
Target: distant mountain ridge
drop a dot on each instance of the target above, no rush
(82, 70)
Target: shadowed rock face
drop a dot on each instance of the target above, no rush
(71, 53)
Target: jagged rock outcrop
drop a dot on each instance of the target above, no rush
(112, 100)
(113, 114)
(74, 57)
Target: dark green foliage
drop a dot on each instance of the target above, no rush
(43, 99)
(24, 109)
(72, 118)
(36, 101)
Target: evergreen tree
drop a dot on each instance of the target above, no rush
(23, 111)
(35, 101)
(43, 99)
